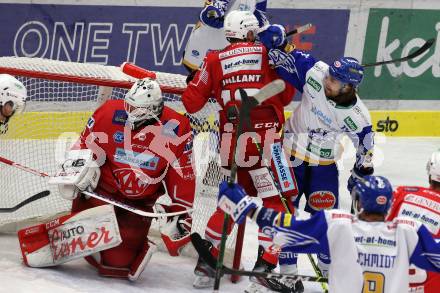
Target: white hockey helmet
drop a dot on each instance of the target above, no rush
(12, 91)
(433, 166)
(238, 23)
(143, 101)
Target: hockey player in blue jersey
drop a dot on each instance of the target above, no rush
(367, 253)
(329, 109)
(208, 34)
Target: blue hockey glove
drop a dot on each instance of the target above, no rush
(273, 37)
(233, 200)
(213, 14)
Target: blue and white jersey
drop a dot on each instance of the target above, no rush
(317, 124)
(365, 256)
(204, 38)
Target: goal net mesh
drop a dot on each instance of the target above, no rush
(61, 98)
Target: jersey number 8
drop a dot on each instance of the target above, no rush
(373, 282)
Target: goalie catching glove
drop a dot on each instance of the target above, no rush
(78, 173)
(175, 232)
(233, 200)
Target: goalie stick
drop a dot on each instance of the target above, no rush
(269, 90)
(203, 250)
(107, 199)
(25, 202)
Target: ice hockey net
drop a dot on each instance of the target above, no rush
(61, 97)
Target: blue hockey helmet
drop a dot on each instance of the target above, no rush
(347, 70)
(374, 194)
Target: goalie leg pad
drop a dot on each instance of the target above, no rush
(70, 237)
(142, 260)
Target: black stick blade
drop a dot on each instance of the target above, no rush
(25, 202)
(414, 54)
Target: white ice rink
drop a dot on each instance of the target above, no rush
(402, 160)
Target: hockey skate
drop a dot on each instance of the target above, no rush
(205, 275)
(263, 285)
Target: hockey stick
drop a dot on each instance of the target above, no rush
(96, 195)
(299, 30)
(416, 53)
(25, 202)
(203, 250)
(317, 270)
(269, 90)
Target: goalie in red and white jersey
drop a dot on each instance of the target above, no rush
(12, 99)
(423, 205)
(131, 150)
(244, 65)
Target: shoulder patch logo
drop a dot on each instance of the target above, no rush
(314, 84)
(350, 123)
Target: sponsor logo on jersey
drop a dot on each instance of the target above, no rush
(423, 201)
(322, 200)
(282, 168)
(322, 152)
(266, 125)
(239, 51)
(263, 183)
(314, 84)
(195, 53)
(245, 62)
(119, 117)
(118, 136)
(423, 215)
(241, 78)
(341, 216)
(130, 182)
(387, 125)
(321, 116)
(90, 123)
(141, 160)
(350, 123)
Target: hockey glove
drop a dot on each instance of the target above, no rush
(175, 233)
(78, 173)
(213, 14)
(356, 175)
(233, 200)
(273, 37)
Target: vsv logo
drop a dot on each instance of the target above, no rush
(387, 125)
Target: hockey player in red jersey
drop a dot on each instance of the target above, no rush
(423, 205)
(142, 148)
(244, 65)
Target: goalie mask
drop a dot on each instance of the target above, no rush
(143, 102)
(13, 94)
